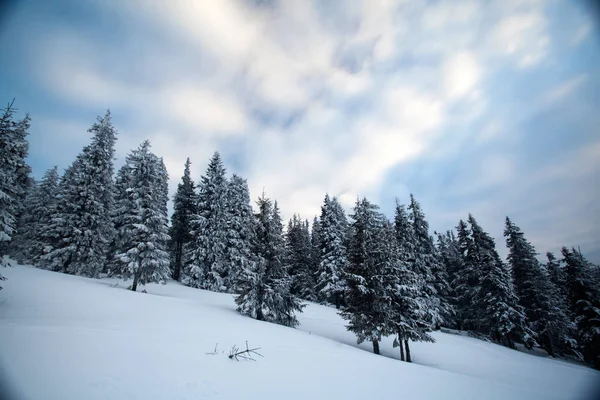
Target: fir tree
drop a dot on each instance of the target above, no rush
(184, 209)
(208, 265)
(408, 308)
(298, 246)
(451, 256)
(333, 254)
(265, 291)
(241, 233)
(14, 172)
(28, 245)
(533, 287)
(498, 314)
(366, 305)
(584, 304)
(428, 265)
(81, 229)
(142, 250)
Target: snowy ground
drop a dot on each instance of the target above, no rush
(66, 337)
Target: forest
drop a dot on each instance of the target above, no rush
(386, 277)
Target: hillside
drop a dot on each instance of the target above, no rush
(67, 337)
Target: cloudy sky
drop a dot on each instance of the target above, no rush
(488, 107)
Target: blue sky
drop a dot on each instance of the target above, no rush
(489, 107)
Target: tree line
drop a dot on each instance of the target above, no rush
(385, 277)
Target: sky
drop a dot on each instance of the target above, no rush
(483, 107)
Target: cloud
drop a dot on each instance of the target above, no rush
(308, 97)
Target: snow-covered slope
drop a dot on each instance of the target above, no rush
(66, 337)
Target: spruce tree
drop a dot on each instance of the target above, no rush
(333, 253)
(184, 209)
(498, 315)
(584, 304)
(142, 251)
(82, 229)
(265, 291)
(408, 311)
(28, 245)
(427, 264)
(14, 173)
(535, 292)
(451, 256)
(208, 265)
(298, 246)
(241, 234)
(366, 306)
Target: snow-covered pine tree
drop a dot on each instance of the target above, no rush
(427, 264)
(82, 229)
(466, 281)
(555, 272)
(14, 172)
(333, 253)
(406, 309)
(184, 209)
(449, 250)
(499, 315)
(142, 248)
(241, 234)
(207, 266)
(315, 247)
(28, 245)
(535, 292)
(265, 294)
(298, 248)
(584, 304)
(366, 306)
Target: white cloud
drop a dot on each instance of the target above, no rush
(522, 36)
(560, 92)
(461, 74)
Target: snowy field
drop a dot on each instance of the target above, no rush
(67, 337)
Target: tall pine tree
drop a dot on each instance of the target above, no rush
(299, 259)
(366, 306)
(264, 292)
(241, 234)
(333, 253)
(184, 209)
(82, 227)
(584, 304)
(208, 265)
(14, 172)
(142, 249)
(535, 292)
(28, 245)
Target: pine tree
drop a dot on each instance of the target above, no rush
(333, 253)
(208, 266)
(533, 287)
(298, 247)
(451, 256)
(241, 233)
(82, 227)
(584, 304)
(28, 245)
(14, 172)
(265, 291)
(142, 250)
(184, 209)
(408, 307)
(366, 305)
(466, 281)
(428, 265)
(499, 315)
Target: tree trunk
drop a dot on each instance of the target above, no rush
(135, 282)
(177, 270)
(401, 345)
(408, 359)
(376, 346)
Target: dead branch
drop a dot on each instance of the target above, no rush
(236, 354)
(215, 351)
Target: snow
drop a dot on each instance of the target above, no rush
(66, 337)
